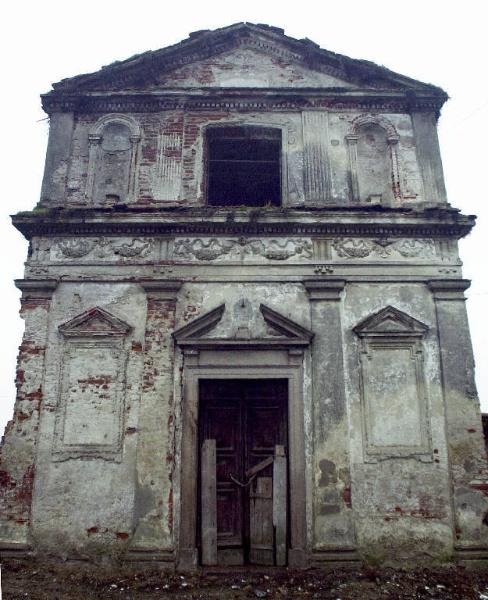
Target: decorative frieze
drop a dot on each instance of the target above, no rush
(102, 249)
(384, 248)
(243, 248)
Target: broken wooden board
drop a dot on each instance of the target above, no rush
(261, 522)
(209, 502)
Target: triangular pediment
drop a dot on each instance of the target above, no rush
(200, 325)
(241, 55)
(246, 67)
(390, 321)
(285, 326)
(95, 322)
(281, 330)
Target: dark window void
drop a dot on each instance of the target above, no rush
(244, 166)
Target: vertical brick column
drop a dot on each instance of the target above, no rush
(18, 448)
(155, 450)
(467, 456)
(332, 526)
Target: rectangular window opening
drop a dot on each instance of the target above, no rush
(244, 166)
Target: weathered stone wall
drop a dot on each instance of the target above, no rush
(388, 460)
(324, 158)
(19, 443)
(85, 497)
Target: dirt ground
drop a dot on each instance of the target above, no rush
(55, 581)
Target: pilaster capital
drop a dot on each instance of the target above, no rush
(449, 289)
(166, 289)
(36, 288)
(324, 289)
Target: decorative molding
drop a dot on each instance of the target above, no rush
(90, 410)
(390, 321)
(383, 122)
(285, 326)
(238, 100)
(209, 249)
(103, 248)
(324, 289)
(36, 288)
(449, 289)
(384, 247)
(392, 355)
(163, 289)
(95, 322)
(201, 325)
(367, 222)
(291, 334)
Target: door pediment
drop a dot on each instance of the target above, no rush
(282, 332)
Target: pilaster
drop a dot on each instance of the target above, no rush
(467, 454)
(332, 524)
(155, 451)
(18, 449)
(316, 157)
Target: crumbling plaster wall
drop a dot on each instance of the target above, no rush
(94, 501)
(19, 442)
(169, 157)
(352, 501)
(401, 501)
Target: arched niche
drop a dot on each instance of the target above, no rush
(373, 160)
(112, 161)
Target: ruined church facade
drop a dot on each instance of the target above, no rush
(245, 330)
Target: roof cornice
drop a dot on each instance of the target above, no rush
(241, 99)
(437, 222)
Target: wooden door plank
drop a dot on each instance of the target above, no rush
(261, 522)
(209, 502)
(279, 505)
(259, 467)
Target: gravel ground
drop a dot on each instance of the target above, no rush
(53, 581)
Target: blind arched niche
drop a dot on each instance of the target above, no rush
(373, 160)
(112, 163)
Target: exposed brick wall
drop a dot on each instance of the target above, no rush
(18, 448)
(155, 457)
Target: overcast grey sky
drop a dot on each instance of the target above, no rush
(439, 42)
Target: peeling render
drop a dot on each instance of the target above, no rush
(351, 291)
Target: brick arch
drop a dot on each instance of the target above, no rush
(370, 119)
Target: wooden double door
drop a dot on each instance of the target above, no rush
(248, 421)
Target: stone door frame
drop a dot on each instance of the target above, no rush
(246, 361)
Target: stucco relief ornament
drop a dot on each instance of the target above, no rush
(412, 248)
(384, 248)
(103, 248)
(352, 248)
(136, 248)
(237, 249)
(75, 248)
(201, 249)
